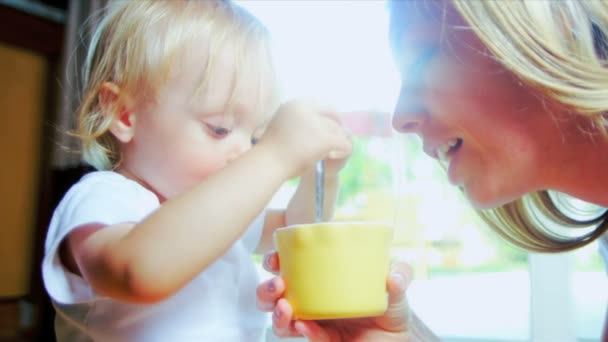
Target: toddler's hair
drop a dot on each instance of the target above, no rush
(136, 45)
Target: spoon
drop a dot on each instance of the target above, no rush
(319, 189)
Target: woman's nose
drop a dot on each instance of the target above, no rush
(410, 112)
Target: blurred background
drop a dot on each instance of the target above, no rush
(469, 285)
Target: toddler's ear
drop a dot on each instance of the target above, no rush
(123, 119)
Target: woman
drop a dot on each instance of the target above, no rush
(512, 98)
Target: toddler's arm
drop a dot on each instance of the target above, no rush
(301, 207)
(151, 260)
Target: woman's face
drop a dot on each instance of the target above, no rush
(493, 133)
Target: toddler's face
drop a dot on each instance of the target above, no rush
(189, 133)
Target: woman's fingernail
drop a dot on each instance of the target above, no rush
(267, 261)
(301, 329)
(399, 280)
(271, 287)
(277, 313)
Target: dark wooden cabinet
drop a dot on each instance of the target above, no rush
(30, 50)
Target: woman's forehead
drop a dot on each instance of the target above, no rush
(414, 24)
(419, 23)
(406, 14)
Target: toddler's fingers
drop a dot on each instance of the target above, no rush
(269, 292)
(340, 154)
(332, 115)
(343, 145)
(271, 262)
(282, 323)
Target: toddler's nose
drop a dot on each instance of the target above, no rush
(239, 145)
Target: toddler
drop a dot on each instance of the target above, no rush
(181, 118)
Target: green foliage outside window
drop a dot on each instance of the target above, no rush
(368, 193)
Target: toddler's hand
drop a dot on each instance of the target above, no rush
(336, 161)
(302, 133)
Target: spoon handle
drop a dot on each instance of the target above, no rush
(319, 189)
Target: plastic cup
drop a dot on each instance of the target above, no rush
(335, 269)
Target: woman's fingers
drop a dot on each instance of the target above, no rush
(269, 292)
(398, 281)
(282, 320)
(271, 262)
(312, 331)
(397, 315)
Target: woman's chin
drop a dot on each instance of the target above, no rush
(485, 200)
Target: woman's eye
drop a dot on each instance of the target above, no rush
(416, 69)
(218, 132)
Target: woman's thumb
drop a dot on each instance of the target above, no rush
(312, 331)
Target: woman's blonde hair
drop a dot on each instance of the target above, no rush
(561, 49)
(136, 45)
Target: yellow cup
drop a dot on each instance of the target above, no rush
(335, 269)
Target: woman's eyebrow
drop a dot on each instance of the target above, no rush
(420, 60)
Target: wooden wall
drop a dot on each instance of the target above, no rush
(30, 49)
(23, 76)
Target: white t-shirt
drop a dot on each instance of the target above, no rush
(218, 305)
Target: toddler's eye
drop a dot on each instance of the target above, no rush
(254, 140)
(218, 132)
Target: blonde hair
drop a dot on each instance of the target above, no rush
(136, 45)
(561, 49)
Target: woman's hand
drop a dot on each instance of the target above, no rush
(392, 326)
